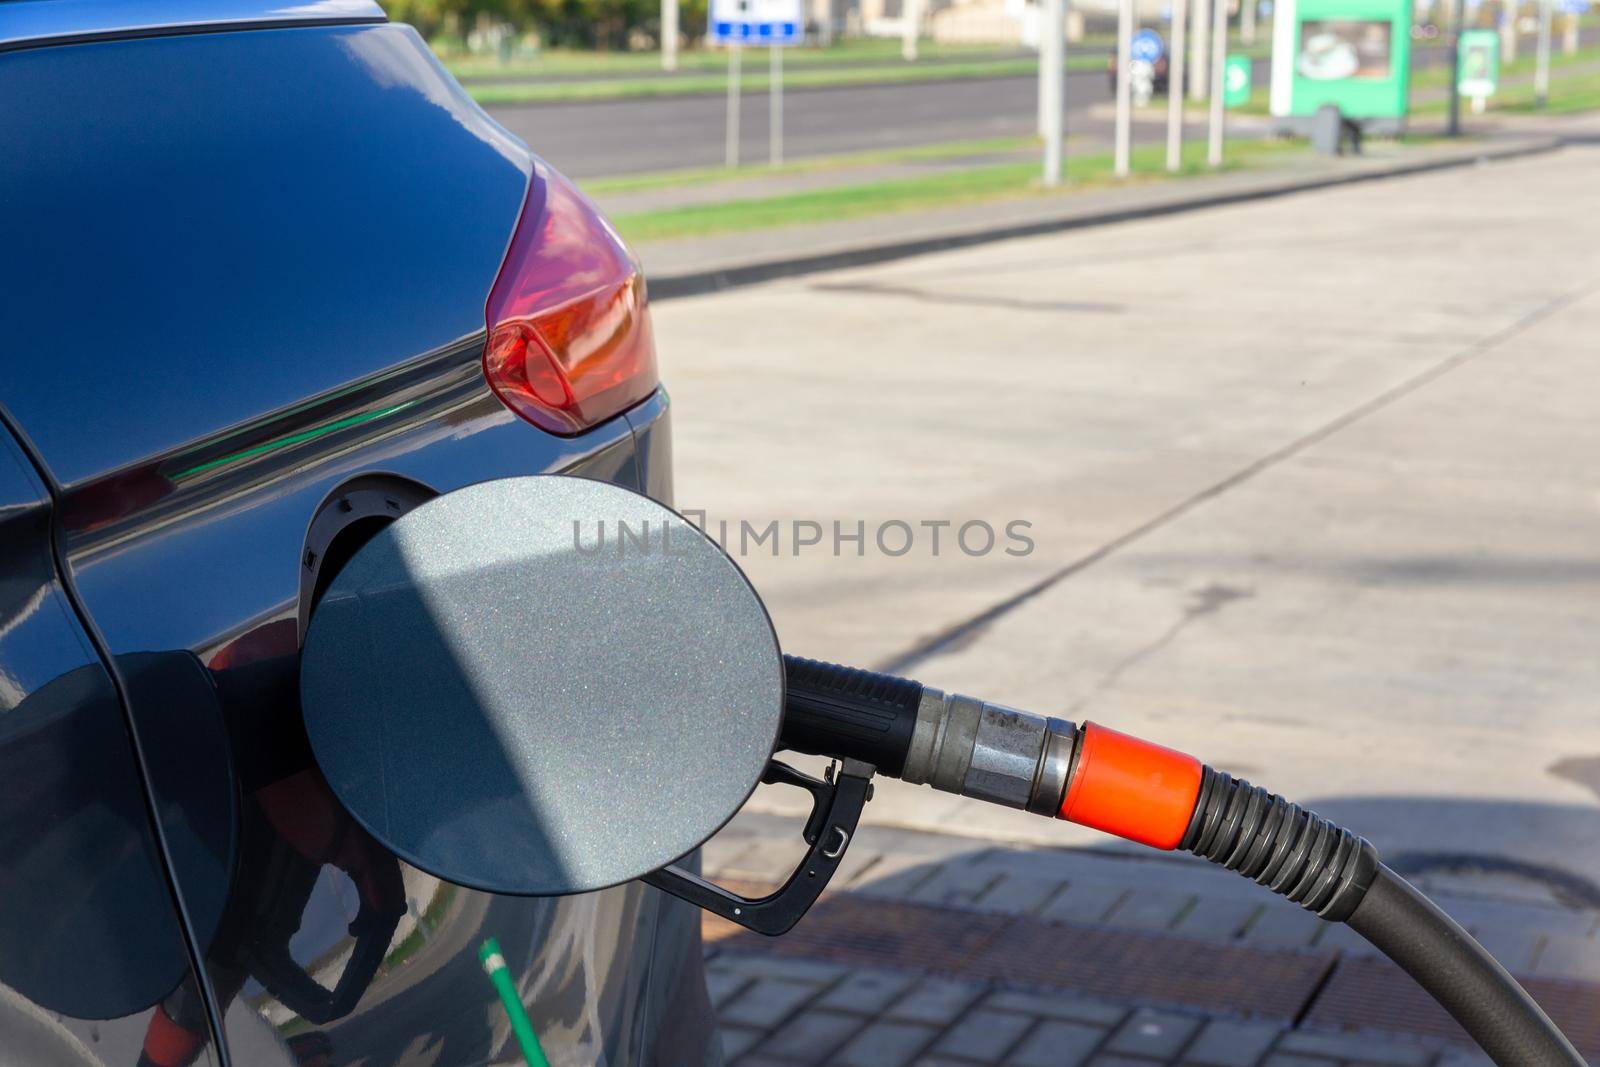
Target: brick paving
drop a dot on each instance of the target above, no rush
(934, 951)
(991, 1024)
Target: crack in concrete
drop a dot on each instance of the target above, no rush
(970, 628)
(1208, 600)
(929, 297)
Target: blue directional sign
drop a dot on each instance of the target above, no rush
(1574, 7)
(1147, 46)
(756, 22)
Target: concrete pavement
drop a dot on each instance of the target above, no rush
(1308, 481)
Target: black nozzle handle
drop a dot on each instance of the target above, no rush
(844, 712)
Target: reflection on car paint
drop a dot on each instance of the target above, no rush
(91, 950)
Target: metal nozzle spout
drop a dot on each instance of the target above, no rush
(990, 752)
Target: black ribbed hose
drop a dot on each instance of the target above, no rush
(1328, 870)
(1296, 853)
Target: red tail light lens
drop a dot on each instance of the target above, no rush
(569, 335)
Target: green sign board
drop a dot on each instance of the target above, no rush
(1353, 54)
(1236, 82)
(1478, 67)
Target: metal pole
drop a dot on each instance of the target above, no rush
(1044, 68)
(1175, 86)
(1219, 61)
(669, 34)
(1124, 86)
(1508, 31)
(910, 16)
(1569, 35)
(1454, 127)
(731, 155)
(1052, 82)
(1200, 49)
(1247, 21)
(775, 109)
(1541, 77)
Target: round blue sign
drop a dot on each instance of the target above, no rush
(1147, 46)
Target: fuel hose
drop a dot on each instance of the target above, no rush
(1098, 777)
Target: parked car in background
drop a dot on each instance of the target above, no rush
(249, 249)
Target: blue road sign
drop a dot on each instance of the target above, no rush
(1574, 7)
(756, 22)
(1147, 46)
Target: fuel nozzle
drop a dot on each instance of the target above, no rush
(1087, 774)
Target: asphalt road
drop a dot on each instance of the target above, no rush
(630, 136)
(598, 138)
(1310, 484)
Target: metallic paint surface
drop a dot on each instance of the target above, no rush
(25, 22)
(512, 693)
(287, 212)
(90, 942)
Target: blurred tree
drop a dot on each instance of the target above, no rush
(604, 24)
(428, 16)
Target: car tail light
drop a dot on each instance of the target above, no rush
(569, 336)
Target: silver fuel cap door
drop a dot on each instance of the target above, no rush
(542, 685)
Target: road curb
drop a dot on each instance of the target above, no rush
(694, 283)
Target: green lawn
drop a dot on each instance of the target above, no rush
(1564, 99)
(1001, 181)
(1572, 93)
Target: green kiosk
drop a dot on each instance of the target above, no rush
(1352, 54)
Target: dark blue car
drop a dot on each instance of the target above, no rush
(268, 279)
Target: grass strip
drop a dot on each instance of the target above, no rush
(996, 182)
(1568, 95)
